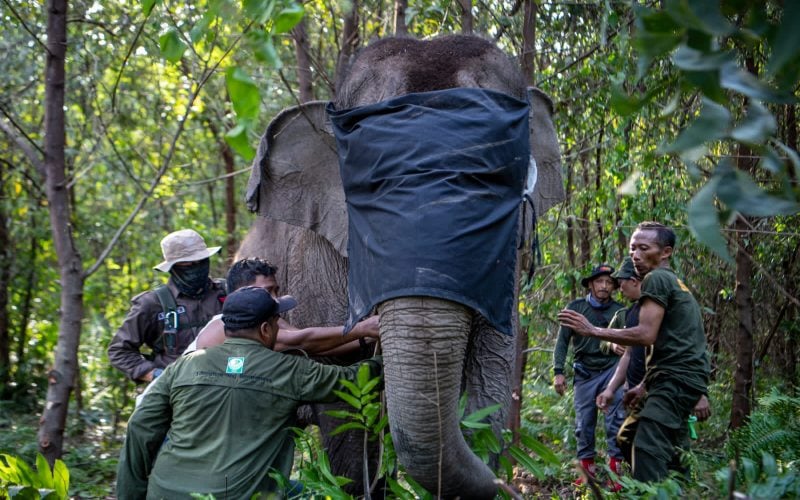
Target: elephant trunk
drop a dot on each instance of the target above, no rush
(424, 343)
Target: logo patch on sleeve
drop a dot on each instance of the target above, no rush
(235, 365)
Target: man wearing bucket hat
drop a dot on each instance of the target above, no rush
(167, 318)
(592, 368)
(226, 410)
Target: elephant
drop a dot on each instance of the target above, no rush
(327, 220)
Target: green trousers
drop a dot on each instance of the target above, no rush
(652, 437)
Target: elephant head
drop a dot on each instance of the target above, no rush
(311, 176)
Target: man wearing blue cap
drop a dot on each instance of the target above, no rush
(593, 368)
(226, 411)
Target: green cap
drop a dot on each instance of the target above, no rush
(626, 270)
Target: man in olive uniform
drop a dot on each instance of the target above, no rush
(593, 369)
(225, 411)
(167, 319)
(677, 370)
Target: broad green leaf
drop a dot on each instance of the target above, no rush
(147, 6)
(61, 479)
(347, 427)
(341, 414)
(712, 124)
(479, 415)
(758, 126)
(690, 59)
(200, 29)
(734, 78)
(704, 221)
(790, 153)
(738, 190)
(707, 13)
(355, 403)
(237, 139)
(475, 425)
(353, 388)
(363, 375)
(288, 18)
(171, 45)
(243, 92)
(540, 449)
(264, 50)
(259, 11)
(527, 462)
(708, 83)
(622, 103)
(43, 472)
(369, 386)
(784, 47)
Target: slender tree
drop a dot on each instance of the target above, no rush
(62, 376)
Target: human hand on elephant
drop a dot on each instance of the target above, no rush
(560, 384)
(368, 327)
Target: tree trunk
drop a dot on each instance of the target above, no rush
(529, 41)
(27, 297)
(466, 16)
(743, 374)
(521, 341)
(303, 63)
(400, 28)
(231, 243)
(350, 42)
(62, 375)
(5, 278)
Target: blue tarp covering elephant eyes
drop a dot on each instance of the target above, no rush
(433, 183)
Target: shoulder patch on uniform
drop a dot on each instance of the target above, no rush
(235, 365)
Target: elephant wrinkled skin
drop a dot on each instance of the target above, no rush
(433, 348)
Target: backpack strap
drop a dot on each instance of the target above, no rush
(170, 311)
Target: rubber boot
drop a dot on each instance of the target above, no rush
(589, 466)
(615, 464)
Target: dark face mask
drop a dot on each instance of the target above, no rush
(191, 280)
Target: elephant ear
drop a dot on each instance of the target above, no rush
(549, 188)
(295, 176)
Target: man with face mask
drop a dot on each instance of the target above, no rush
(593, 369)
(192, 297)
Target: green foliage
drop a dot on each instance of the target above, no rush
(716, 50)
(19, 480)
(771, 429)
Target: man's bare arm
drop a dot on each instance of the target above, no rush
(645, 333)
(320, 339)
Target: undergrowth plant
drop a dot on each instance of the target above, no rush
(18, 480)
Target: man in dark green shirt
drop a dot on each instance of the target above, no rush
(225, 411)
(593, 369)
(677, 370)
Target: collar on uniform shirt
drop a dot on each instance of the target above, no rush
(596, 304)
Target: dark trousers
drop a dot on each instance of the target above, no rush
(652, 437)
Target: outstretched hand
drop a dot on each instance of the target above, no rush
(575, 321)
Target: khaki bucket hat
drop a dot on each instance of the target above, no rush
(185, 245)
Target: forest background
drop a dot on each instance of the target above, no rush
(145, 120)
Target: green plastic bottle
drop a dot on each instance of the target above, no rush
(692, 431)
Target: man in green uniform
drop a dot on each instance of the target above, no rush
(593, 369)
(677, 369)
(225, 410)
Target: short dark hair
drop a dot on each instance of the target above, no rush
(244, 272)
(665, 236)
